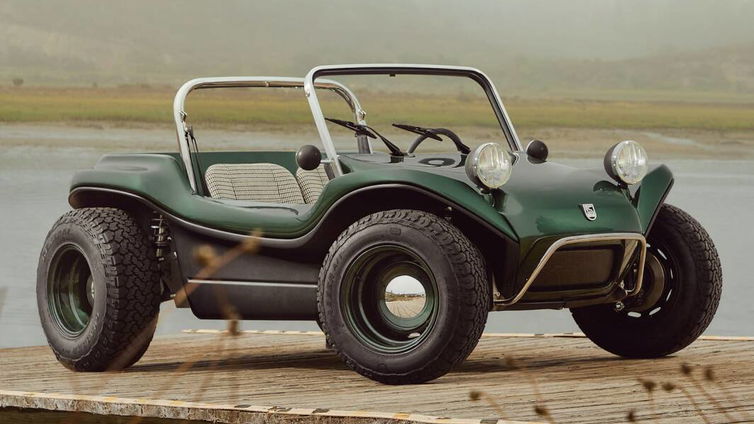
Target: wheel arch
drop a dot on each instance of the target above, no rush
(499, 250)
(95, 197)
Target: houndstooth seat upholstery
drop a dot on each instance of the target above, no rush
(312, 182)
(262, 182)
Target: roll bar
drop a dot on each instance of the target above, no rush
(180, 115)
(309, 85)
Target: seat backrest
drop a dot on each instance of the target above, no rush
(262, 182)
(312, 182)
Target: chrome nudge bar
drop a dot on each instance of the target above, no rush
(382, 68)
(581, 239)
(179, 113)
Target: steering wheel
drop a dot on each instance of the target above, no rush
(462, 148)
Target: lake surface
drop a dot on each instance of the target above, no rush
(34, 179)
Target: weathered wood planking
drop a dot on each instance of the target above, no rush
(241, 378)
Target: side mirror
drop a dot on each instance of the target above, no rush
(308, 157)
(537, 150)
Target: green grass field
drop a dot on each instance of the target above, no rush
(135, 105)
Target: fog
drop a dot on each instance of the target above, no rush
(528, 46)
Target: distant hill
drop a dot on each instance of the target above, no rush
(545, 47)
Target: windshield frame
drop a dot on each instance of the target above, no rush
(406, 69)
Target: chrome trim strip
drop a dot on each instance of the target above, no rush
(179, 113)
(586, 238)
(384, 68)
(251, 283)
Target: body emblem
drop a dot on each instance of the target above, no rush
(590, 212)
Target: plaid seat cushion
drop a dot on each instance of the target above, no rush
(312, 182)
(263, 182)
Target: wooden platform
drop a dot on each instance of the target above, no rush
(284, 377)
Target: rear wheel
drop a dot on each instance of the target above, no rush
(679, 297)
(403, 296)
(98, 290)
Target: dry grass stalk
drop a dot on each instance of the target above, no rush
(543, 412)
(182, 368)
(670, 387)
(514, 364)
(688, 371)
(709, 376)
(650, 386)
(204, 384)
(476, 395)
(539, 408)
(211, 263)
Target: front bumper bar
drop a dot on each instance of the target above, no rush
(499, 302)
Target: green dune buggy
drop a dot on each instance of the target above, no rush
(398, 255)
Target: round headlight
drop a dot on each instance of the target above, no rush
(489, 165)
(626, 162)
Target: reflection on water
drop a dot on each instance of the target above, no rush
(34, 179)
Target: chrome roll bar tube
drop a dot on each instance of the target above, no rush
(180, 116)
(387, 69)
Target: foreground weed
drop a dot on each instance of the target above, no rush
(671, 387)
(476, 395)
(710, 378)
(649, 386)
(688, 371)
(211, 263)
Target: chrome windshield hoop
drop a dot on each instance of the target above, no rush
(180, 115)
(374, 69)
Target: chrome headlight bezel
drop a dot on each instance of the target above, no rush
(490, 166)
(626, 162)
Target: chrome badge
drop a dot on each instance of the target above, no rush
(590, 212)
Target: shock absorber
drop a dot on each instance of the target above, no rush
(160, 236)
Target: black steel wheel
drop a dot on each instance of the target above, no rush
(679, 297)
(403, 296)
(98, 290)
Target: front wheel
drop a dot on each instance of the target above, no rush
(679, 297)
(403, 296)
(98, 290)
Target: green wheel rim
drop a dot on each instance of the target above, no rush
(70, 290)
(367, 305)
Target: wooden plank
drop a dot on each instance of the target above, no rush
(211, 375)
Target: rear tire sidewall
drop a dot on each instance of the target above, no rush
(81, 344)
(447, 313)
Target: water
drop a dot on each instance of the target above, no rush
(36, 164)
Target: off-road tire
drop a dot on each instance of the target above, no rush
(126, 295)
(686, 313)
(463, 296)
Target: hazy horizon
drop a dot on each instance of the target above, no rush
(526, 46)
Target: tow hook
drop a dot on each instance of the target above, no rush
(619, 306)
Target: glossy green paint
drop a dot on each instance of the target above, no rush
(654, 187)
(161, 179)
(541, 202)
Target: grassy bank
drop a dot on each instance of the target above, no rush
(144, 105)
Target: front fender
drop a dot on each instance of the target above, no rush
(651, 194)
(455, 192)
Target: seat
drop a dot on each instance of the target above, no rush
(262, 182)
(312, 182)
